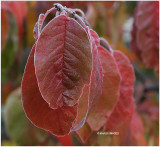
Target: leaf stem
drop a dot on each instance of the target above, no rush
(82, 19)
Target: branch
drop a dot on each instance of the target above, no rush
(151, 88)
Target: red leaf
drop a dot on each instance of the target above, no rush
(76, 75)
(145, 33)
(57, 121)
(19, 10)
(94, 91)
(95, 88)
(120, 118)
(63, 61)
(66, 140)
(117, 114)
(111, 79)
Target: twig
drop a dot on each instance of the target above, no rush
(82, 19)
(151, 88)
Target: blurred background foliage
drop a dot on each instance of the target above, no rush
(111, 20)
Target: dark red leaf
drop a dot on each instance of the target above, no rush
(63, 61)
(59, 121)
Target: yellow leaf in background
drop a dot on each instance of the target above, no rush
(8, 143)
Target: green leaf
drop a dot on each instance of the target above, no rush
(10, 50)
(18, 127)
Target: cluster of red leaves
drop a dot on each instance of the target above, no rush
(114, 109)
(19, 10)
(145, 33)
(71, 83)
